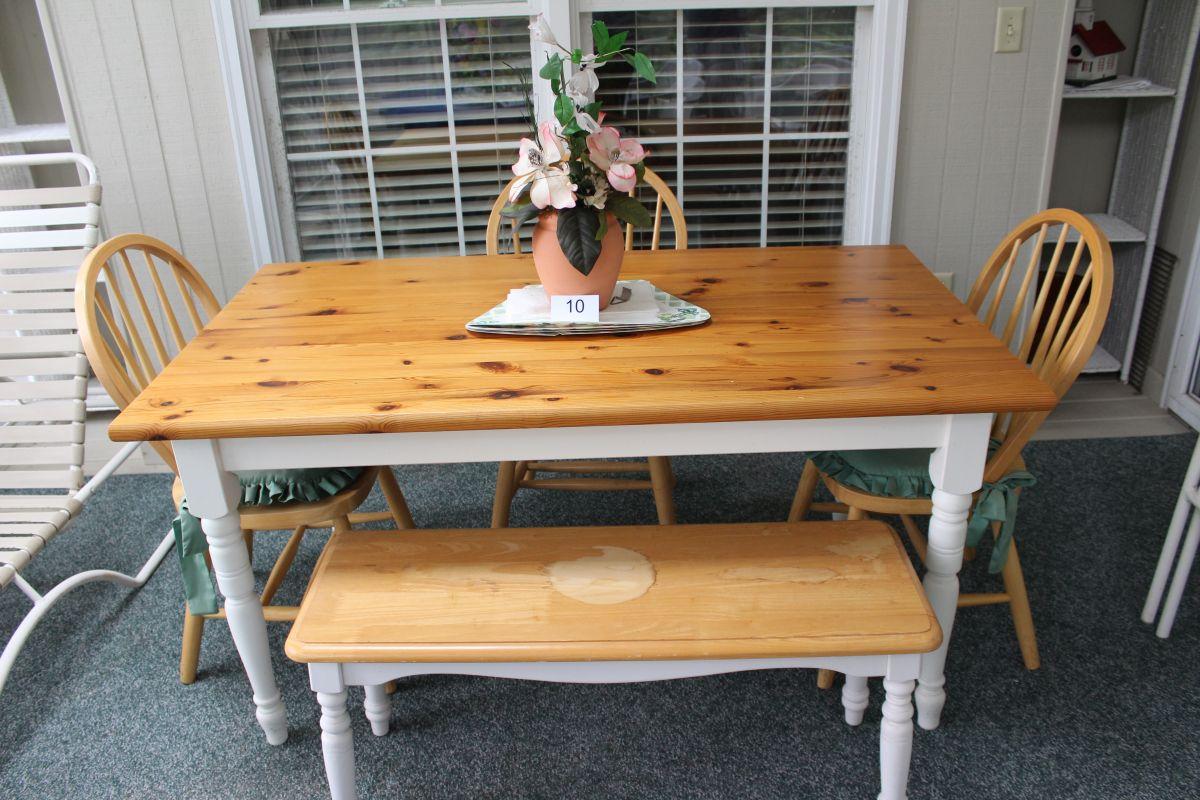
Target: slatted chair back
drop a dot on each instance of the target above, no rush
(44, 235)
(664, 199)
(138, 301)
(1048, 306)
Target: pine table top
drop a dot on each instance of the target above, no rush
(379, 346)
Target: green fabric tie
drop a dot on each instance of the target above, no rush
(905, 473)
(259, 488)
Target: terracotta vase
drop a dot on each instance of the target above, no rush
(557, 274)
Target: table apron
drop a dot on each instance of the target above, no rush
(598, 441)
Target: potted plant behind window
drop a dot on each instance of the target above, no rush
(575, 175)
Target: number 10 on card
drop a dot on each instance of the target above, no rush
(575, 308)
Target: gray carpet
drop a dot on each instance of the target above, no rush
(94, 709)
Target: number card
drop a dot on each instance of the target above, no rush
(575, 308)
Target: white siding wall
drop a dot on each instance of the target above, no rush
(974, 130)
(146, 89)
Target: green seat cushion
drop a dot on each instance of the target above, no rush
(905, 474)
(259, 488)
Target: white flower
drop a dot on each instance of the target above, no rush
(582, 85)
(585, 121)
(540, 166)
(600, 197)
(539, 29)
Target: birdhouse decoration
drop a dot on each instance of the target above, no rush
(1092, 55)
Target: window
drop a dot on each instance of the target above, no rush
(378, 128)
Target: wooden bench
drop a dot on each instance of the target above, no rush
(612, 605)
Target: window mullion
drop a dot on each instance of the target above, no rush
(366, 130)
(679, 108)
(766, 142)
(458, 206)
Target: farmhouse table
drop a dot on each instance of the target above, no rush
(349, 363)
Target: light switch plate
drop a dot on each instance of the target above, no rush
(1010, 24)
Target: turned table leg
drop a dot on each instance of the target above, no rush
(213, 494)
(957, 472)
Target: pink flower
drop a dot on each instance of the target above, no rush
(541, 168)
(616, 156)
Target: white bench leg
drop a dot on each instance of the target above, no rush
(854, 699)
(337, 745)
(895, 739)
(378, 706)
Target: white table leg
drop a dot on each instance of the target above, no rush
(854, 699)
(957, 472)
(895, 739)
(337, 745)
(378, 707)
(213, 494)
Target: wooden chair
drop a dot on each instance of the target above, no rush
(139, 302)
(515, 475)
(44, 235)
(1059, 327)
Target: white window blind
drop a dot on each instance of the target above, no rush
(755, 137)
(390, 127)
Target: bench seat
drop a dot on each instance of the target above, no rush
(725, 591)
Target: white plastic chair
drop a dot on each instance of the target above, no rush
(1187, 506)
(44, 235)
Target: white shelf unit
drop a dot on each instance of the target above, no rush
(1102, 92)
(1165, 50)
(23, 134)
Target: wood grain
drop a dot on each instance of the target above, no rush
(375, 346)
(701, 591)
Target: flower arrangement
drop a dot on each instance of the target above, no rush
(573, 165)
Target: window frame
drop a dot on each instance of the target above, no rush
(874, 115)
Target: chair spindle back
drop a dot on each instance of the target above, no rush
(138, 301)
(1049, 315)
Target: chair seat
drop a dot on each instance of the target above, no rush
(757, 590)
(898, 482)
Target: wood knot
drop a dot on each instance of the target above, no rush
(655, 371)
(505, 394)
(498, 366)
(456, 337)
(387, 406)
(324, 312)
(905, 368)
(276, 384)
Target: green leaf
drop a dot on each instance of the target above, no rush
(577, 237)
(576, 56)
(600, 37)
(593, 109)
(552, 68)
(642, 65)
(603, 229)
(627, 209)
(520, 212)
(564, 109)
(616, 42)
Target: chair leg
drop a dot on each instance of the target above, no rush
(248, 536)
(341, 524)
(395, 499)
(661, 480)
(189, 655)
(804, 492)
(895, 739)
(1018, 599)
(337, 745)
(282, 564)
(825, 678)
(915, 536)
(857, 513)
(505, 478)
